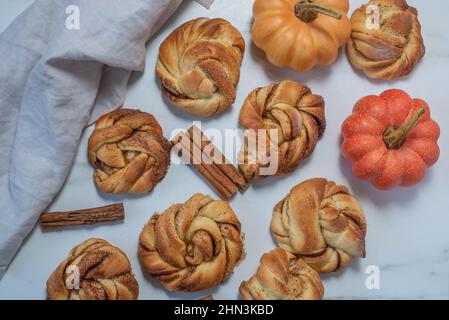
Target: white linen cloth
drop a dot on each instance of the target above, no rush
(205, 3)
(53, 81)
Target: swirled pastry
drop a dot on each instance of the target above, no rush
(128, 151)
(392, 48)
(286, 118)
(281, 276)
(199, 66)
(192, 246)
(100, 270)
(322, 223)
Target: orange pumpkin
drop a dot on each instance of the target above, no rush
(301, 33)
(391, 139)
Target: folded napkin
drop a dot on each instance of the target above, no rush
(205, 3)
(57, 73)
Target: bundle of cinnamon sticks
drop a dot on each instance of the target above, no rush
(196, 149)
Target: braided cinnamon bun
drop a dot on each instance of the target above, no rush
(199, 66)
(281, 276)
(192, 246)
(296, 118)
(393, 48)
(128, 151)
(322, 223)
(103, 272)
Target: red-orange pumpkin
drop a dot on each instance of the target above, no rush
(391, 139)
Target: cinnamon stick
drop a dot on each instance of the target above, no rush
(184, 146)
(61, 219)
(223, 163)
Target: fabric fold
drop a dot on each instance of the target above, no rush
(54, 80)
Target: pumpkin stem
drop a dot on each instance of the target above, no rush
(308, 11)
(395, 137)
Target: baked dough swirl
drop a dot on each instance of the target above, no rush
(295, 115)
(281, 276)
(104, 274)
(192, 246)
(322, 223)
(128, 151)
(392, 50)
(199, 66)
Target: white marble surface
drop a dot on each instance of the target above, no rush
(407, 228)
